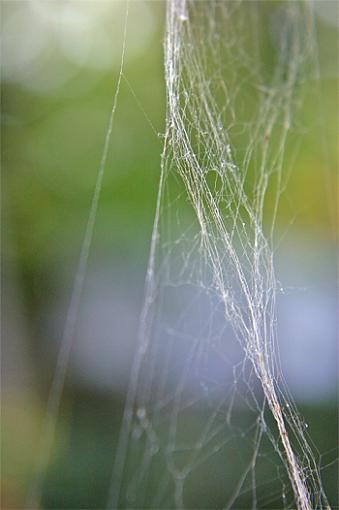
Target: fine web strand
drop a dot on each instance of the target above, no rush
(143, 338)
(58, 380)
(224, 255)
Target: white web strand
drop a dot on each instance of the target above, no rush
(58, 380)
(233, 251)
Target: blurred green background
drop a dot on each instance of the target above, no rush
(60, 63)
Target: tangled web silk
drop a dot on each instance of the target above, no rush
(207, 407)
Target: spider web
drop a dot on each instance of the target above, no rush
(208, 420)
(207, 406)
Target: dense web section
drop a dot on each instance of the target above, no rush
(209, 422)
